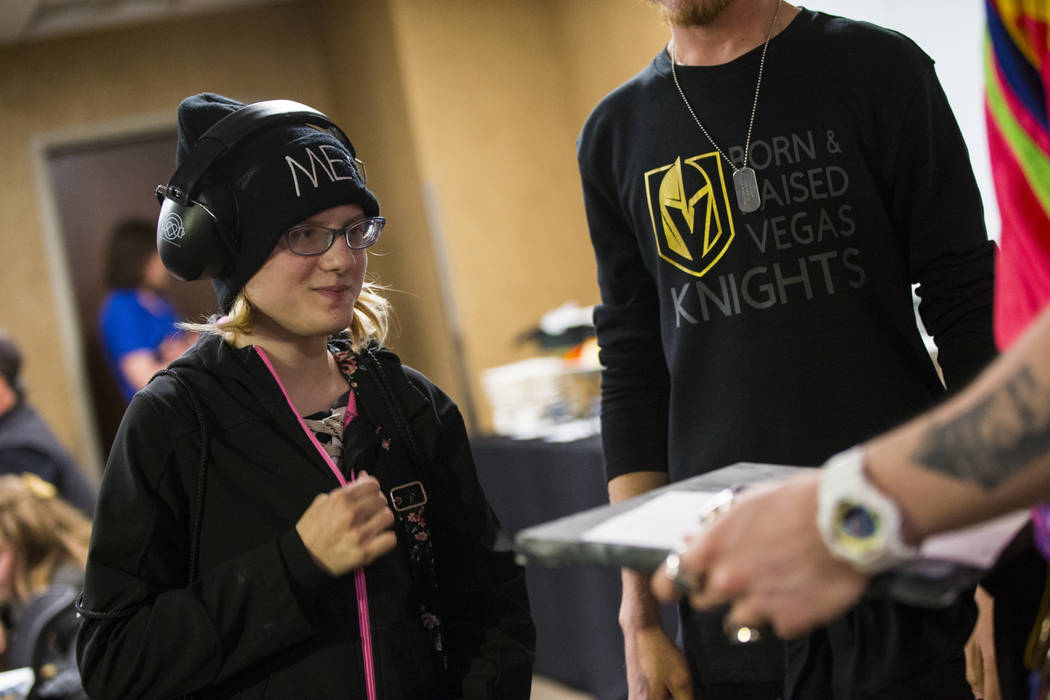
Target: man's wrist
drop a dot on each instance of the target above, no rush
(859, 523)
(638, 607)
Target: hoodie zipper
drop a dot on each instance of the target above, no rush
(363, 617)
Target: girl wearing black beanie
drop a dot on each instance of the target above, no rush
(288, 512)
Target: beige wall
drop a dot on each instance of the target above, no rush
(370, 103)
(496, 94)
(486, 96)
(605, 43)
(476, 103)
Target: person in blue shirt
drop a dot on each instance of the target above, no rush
(137, 321)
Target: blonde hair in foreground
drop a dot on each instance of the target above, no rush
(371, 319)
(43, 530)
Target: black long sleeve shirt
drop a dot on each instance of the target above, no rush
(785, 334)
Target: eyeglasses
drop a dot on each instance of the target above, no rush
(316, 240)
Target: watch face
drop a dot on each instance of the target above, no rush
(857, 529)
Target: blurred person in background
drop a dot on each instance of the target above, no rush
(43, 541)
(26, 442)
(137, 321)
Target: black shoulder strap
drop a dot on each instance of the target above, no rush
(384, 388)
(390, 386)
(197, 517)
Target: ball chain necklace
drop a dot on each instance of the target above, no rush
(744, 180)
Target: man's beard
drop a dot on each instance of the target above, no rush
(691, 13)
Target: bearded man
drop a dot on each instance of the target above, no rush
(762, 198)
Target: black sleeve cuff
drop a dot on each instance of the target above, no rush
(305, 574)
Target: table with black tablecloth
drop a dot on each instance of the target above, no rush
(579, 642)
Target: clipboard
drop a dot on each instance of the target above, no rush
(639, 533)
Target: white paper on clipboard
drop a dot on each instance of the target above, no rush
(664, 521)
(659, 523)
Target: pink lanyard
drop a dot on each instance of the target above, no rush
(359, 575)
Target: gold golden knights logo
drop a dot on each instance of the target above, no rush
(689, 209)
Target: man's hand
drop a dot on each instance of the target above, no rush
(766, 557)
(656, 668)
(981, 671)
(349, 527)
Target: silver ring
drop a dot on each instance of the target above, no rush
(673, 567)
(741, 634)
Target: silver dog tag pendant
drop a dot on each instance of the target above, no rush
(746, 185)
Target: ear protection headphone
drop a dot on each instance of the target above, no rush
(197, 226)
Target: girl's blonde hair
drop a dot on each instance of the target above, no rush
(371, 320)
(43, 531)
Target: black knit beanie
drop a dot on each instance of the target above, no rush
(277, 177)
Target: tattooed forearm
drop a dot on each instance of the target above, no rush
(996, 437)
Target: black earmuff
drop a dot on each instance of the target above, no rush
(197, 226)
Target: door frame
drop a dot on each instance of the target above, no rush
(42, 145)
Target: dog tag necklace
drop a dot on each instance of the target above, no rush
(744, 180)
